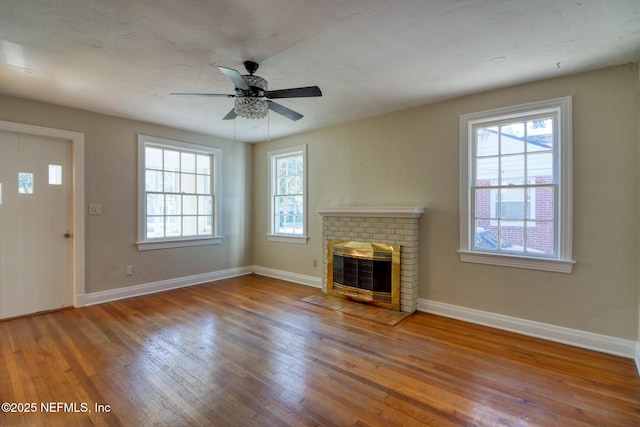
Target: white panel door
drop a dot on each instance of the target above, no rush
(35, 221)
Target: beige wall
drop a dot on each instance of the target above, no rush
(410, 158)
(111, 179)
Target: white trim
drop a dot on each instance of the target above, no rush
(77, 148)
(315, 282)
(393, 212)
(182, 243)
(163, 285)
(300, 240)
(637, 357)
(545, 264)
(562, 109)
(603, 343)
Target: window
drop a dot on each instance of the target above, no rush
(515, 186)
(287, 188)
(177, 195)
(55, 174)
(25, 183)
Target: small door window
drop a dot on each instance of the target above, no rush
(55, 174)
(25, 183)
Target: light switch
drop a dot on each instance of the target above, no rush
(95, 209)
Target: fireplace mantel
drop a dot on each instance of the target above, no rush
(392, 212)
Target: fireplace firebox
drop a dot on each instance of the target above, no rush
(362, 271)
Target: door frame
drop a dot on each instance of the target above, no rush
(77, 189)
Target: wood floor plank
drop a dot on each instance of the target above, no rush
(248, 352)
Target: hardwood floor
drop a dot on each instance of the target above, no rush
(248, 352)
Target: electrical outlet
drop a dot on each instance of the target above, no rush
(128, 270)
(315, 262)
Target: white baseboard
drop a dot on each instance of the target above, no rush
(302, 279)
(574, 337)
(163, 285)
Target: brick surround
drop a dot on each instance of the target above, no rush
(395, 226)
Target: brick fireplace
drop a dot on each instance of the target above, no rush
(393, 226)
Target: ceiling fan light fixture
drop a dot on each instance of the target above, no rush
(251, 108)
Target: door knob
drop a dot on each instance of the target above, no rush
(67, 235)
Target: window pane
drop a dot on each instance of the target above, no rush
(299, 165)
(512, 203)
(291, 166)
(188, 163)
(205, 205)
(155, 204)
(204, 225)
(153, 180)
(171, 160)
(189, 205)
(540, 135)
(25, 183)
(282, 186)
(512, 236)
(483, 202)
(542, 200)
(153, 158)
(188, 183)
(171, 182)
(512, 138)
(487, 171)
(189, 226)
(540, 238)
(173, 204)
(281, 169)
(512, 170)
(487, 141)
(155, 227)
(540, 168)
(55, 175)
(204, 165)
(202, 184)
(173, 226)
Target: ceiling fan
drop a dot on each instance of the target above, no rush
(253, 100)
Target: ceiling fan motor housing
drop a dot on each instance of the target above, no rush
(257, 84)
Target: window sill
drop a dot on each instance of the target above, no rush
(554, 265)
(299, 240)
(183, 243)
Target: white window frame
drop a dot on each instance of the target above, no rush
(143, 242)
(561, 109)
(272, 157)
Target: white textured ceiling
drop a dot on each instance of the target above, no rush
(369, 57)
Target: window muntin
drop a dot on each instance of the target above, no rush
(288, 207)
(178, 200)
(515, 186)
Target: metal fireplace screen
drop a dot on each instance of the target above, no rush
(365, 272)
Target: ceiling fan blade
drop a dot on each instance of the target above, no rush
(287, 112)
(230, 115)
(204, 94)
(235, 77)
(298, 92)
